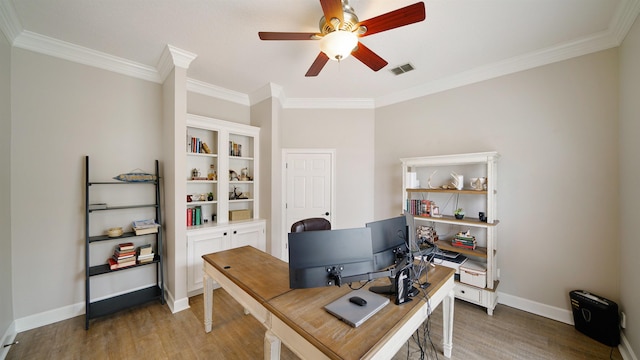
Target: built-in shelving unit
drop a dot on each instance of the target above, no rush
(231, 218)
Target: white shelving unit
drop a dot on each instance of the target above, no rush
(233, 148)
(432, 173)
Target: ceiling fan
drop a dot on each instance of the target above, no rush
(340, 30)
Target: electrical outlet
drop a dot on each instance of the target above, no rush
(623, 320)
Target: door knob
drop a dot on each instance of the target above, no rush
(326, 214)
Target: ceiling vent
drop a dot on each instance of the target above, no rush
(402, 69)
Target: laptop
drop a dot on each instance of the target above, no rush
(353, 314)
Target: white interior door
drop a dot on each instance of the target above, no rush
(309, 193)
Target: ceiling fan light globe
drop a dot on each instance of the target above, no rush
(339, 44)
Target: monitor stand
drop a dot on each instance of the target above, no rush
(392, 288)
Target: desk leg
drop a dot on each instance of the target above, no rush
(447, 324)
(208, 302)
(271, 346)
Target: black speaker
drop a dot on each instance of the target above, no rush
(596, 317)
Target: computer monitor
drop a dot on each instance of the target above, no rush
(389, 241)
(317, 257)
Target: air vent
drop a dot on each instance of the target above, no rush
(402, 69)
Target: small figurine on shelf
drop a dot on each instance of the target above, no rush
(211, 175)
(244, 174)
(195, 173)
(233, 176)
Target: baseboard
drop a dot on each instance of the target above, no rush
(550, 312)
(625, 349)
(49, 317)
(8, 337)
(176, 305)
(558, 314)
(66, 312)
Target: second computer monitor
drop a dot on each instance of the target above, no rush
(388, 239)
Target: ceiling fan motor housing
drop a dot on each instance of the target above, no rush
(350, 22)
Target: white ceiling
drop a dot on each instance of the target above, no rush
(460, 42)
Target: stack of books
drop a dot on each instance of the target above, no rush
(145, 254)
(142, 227)
(464, 240)
(123, 256)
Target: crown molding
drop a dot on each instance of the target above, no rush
(57, 48)
(10, 25)
(172, 56)
(270, 90)
(201, 87)
(624, 18)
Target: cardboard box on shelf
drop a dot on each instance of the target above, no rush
(239, 214)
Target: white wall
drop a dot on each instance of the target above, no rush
(556, 130)
(61, 112)
(629, 190)
(6, 292)
(350, 132)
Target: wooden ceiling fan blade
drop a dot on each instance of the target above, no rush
(332, 9)
(265, 35)
(317, 65)
(394, 19)
(369, 58)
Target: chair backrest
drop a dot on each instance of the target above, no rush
(311, 224)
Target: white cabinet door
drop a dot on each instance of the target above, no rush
(252, 235)
(201, 243)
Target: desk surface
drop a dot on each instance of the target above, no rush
(303, 311)
(266, 279)
(257, 273)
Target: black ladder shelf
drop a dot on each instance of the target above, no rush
(136, 297)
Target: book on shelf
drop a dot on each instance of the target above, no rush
(113, 264)
(145, 231)
(419, 207)
(142, 227)
(145, 249)
(235, 149)
(125, 246)
(143, 259)
(141, 224)
(194, 216)
(122, 254)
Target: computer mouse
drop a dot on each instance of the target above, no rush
(358, 300)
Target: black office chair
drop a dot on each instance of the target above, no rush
(311, 224)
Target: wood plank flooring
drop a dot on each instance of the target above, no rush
(152, 332)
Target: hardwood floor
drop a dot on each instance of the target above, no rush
(152, 332)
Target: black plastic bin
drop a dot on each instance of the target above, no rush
(596, 317)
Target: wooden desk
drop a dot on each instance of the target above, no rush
(260, 283)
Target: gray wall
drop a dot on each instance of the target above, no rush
(6, 292)
(61, 112)
(556, 130)
(351, 133)
(629, 190)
